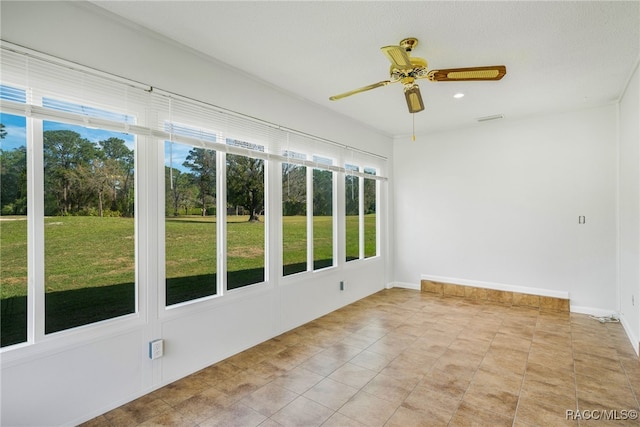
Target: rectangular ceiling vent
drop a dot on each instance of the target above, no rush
(488, 118)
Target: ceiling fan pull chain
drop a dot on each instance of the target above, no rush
(413, 134)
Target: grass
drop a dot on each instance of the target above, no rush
(294, 251)
(90, 266)
(190, 243)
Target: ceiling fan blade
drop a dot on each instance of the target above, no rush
(362, 89)
(414, 98)
(398, 57)
(493, 72)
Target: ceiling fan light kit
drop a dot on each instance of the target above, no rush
(406, 69)
(414, 99)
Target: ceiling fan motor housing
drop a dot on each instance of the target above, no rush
(409, 43)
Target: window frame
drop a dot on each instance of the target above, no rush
(149, 105)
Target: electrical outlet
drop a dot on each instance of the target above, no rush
(342, 285)
(633, 300)
(156, 349)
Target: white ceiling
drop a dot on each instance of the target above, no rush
(559, 55)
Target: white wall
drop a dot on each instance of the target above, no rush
(72, 376)
(629, 208)
(498, 204)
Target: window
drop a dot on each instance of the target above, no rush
(352, 214)
(13, 222)
(370, 224)
(190, 221)
(322, 216)
(89, 227)
(294, 217)
(75, 145)
(245, 218)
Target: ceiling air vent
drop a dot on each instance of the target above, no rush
(488, 118)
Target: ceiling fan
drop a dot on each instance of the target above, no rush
(407, 69)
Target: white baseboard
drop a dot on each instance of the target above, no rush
(498, 286)
(596, 312)
(405, 285)
(635, 341)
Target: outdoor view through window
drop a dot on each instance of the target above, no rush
(294, 216)
(86, 206)
(190, 221)
(89, 229)
(13, 222)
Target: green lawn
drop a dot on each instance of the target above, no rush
(90, 267)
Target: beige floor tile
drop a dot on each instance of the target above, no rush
(550, 374)
(359, 341)
(269, 423)
(370, 360)
(339, 420)
(170, 419)
(390, 388)
(368, 409)
(503, 341)
(218, 372)
(403, 357)
(204, 404)
(241, 384)
(508, 361)
(475, 346)
(331, 393)
(410, 365)
(447, 383)
(302, 412)
(138, 411)
(494, 401)
(353, 375)
(430, 399)
(428, 348)
(269, 399)
(322, 364)
(472, 416)
(533, 412)
(180, 390)
(298, 380)
(505, 381)
(406, 417)
(267, 370)
(237, 415)
(100, 421)
(563, 395)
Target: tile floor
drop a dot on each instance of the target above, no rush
(407, 358)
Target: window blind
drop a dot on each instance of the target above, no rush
(54, 88)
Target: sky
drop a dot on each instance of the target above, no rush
(175, 154)
(15, 126)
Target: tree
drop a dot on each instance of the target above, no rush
(369, 196)
(352, 199)
(322, 192)
(202, 163)
(67, 160)
(294, 189)
(179, 191)
(13, 181)
(3, 132)
(118, 169)
(245, 184)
